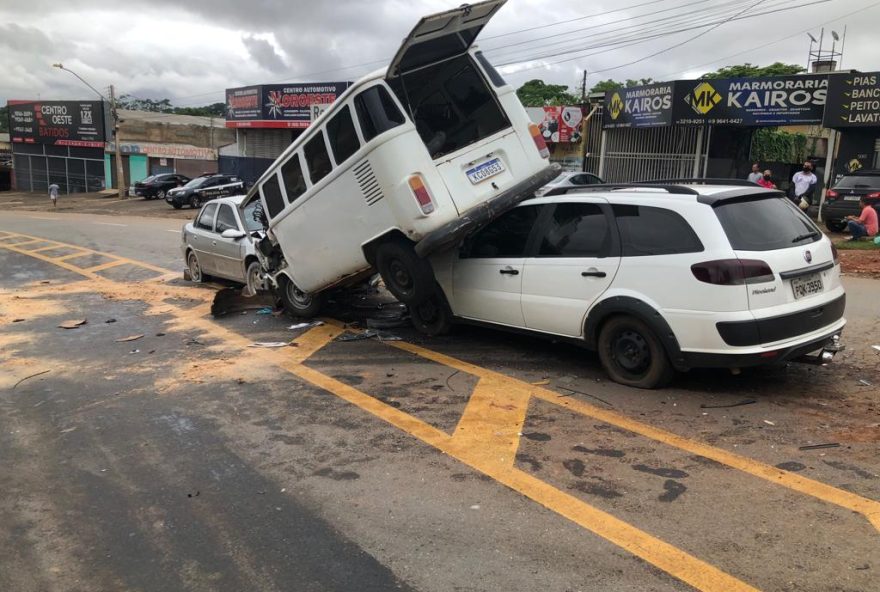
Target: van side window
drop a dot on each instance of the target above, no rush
(317, 159)
(646, 231)
(294, 181)
(343, 139)
(377, 112)
(272, 195)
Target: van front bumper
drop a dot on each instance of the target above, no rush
(475, 218)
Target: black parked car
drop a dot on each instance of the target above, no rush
(842, 200)
(156, 186)
(204, 188)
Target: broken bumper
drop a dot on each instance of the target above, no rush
(478, 216)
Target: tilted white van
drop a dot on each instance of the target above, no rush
(406, 162)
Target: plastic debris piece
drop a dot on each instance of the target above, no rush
(864, 382)
(725, 406)
(73, 324)
(135, 351)
(768, 422)
(819, 446)
(68, 430)
(305, 325)
(357, 336)
(273, 344)
(27, 377)
(129, 338)
(110, 321)
(17, 320)
(264, 311)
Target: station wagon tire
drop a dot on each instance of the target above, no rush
(406, 275)
(838, 226)
(252, 277)
(297, 302)
(432, 316)
(195, 268)
(632, 354)
(195, 202)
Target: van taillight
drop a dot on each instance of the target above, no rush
(421, 193)
(538, 137)
(831, 195)
(733, 272)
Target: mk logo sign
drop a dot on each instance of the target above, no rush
(703, 98)
(617, 106)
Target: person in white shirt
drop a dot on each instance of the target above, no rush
(804, 184)
(53, 193)
(756, 174)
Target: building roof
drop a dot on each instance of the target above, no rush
(171, 118)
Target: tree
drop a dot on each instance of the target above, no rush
(4, 118)
(165, 106)
(748, 70)
(612, 84)
(535, 93)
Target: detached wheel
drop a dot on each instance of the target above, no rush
(297, 302)
(432, 316)
(406, 275)
(195, 202)
(835, 226)
(195, 268)
(632, 354)
(254, 277)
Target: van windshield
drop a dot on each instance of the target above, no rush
(450, 104)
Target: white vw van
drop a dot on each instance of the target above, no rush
(406, 162)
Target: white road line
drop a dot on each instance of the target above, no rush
(109, 224)
(39, 218)
(174, 231)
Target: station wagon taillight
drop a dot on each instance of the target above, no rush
(421, 193)
(538, 138)
(733, 272)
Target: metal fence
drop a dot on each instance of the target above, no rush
(74, 170)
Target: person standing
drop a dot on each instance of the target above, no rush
(755, 175)
(804, 184)
(766, 180)
(865, 224)
(53, 194)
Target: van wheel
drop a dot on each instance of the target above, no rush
(432, 316)
(406, 275)
(632, 354)
(297, 302)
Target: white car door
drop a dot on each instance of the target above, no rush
(487, 275)
(575, 259)
(202, 236)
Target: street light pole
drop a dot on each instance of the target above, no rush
(120, 176)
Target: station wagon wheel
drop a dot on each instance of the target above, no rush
(297, 302)
(632, 354)
(195, 201)
(195, 268)
(406, 275)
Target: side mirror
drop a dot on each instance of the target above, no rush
(233, 233)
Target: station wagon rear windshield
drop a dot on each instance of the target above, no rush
(765, 224)
(450, 104)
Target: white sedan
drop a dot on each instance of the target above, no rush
(215, 243)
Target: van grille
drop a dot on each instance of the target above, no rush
(363, 172)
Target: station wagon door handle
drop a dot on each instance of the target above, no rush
(593, 274)
(509, 271)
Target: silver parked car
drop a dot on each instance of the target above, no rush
(215, 243)
(570, 179)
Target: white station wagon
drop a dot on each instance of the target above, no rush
(655, 278)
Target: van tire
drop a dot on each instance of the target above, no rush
(632, 354)
(297, 302)
(406, 275)
(432, 316)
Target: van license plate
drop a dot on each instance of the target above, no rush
(483, 171)
(806, 285)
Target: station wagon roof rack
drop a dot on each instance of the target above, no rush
(669, 188)
(705, 181)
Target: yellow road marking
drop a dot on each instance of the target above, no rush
(51, 248)
(27, 242)
(83, 253)
(104, 266)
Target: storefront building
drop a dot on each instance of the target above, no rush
(266, 119)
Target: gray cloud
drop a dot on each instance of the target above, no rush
(264, 54)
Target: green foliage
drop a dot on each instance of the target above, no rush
(165, 106)
(535, 93)
(750, 70)
(612, 84)
(773, 145)
(4, 118)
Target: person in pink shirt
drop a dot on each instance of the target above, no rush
(864, 225)
(766, 180)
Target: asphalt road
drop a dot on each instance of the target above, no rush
(186, 460)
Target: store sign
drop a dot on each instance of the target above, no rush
(278, 105)
(853, 100)
(61, 123)
(638, 106)
(156, 150)
(558, 124)
(770, 101)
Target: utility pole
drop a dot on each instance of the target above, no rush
(584, 89)
(120, 175)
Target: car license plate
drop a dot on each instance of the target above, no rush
(806, 285)
(850, 198)
(483, 171)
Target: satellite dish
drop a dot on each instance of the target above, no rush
(813, 39)
(834, 34)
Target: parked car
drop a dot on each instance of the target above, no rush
(156, 186)
(202, 189)
(842, 200)
(214, 243)
(654, 278)
(570, 179)
(406, 162)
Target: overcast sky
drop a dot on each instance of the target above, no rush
(190, 51)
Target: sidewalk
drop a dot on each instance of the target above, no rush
(92, 203)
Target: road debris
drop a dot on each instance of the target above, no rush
(110, 321)
(727, 405)
(819, 446)
(876, 347)
(273, 344)
(230, 300)
(768, 422)
(368, 334)
(129, 338)
(135, 351)
(305, 325)
(541, 382)
(864, 382)
(17, 320)
(265, 311)
(27, 377)
(72, 324)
